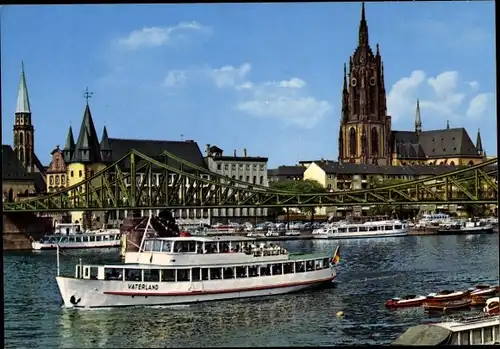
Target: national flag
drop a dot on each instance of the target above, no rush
(336, 256)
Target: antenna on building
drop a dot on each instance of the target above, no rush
(182, 137)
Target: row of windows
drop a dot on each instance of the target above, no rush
(80, 173)
(484, 335)
(206, 274)
(56, 179)
(247, 167)
(254, 179)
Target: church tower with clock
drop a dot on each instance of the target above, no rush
(365, 127)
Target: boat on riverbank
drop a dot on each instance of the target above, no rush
(71, 236)
(189, 269)
(371, 229)
(467, 228)
(475, 330)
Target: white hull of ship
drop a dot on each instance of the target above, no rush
(75, 245)
(85, 293)
(363, 235)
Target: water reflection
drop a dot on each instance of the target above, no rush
(226, 323)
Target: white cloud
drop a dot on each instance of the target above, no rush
(283, 100)
(176, 78)
(474, 85)
(158, 36)
(444, 96)
(478, 106)
(229, 76)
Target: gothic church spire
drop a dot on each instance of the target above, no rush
(363, 28)
(418, 119)
(23, 102)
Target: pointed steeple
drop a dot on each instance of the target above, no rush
(70, 140)
(23, 102)
(363, 28)
(69, 147)
(105, 146)
(87, 147)
(479, 143)
(447, 124)
(418, 119)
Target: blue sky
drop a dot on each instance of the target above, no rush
(266, 77)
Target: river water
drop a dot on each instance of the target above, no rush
(371, 271)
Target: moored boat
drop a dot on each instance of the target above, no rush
(407, 301)
(188, 269)
(467, 228)
(71, 236)
(370, 229)
(443, 306)
(492, 306)
(481, 293)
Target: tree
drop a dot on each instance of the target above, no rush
(472, 210)
(383, 210)
(306, 186)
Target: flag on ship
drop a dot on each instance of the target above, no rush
(336, 256)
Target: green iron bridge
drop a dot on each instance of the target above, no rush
(137, 181)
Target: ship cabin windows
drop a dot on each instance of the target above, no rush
(484, 335)
(200, 274)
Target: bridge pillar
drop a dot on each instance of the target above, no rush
(20, 229)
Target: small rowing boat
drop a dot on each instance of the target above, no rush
(407, 301)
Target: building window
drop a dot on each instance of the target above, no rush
(219, 166)
(248, 179)
(241, 178)
(233, 167)
(226, 167)
(57, 180)
(352, 142)
(62, 179)
(329, 187)
(241, 167)
(248, 167)
(261, 179)
(254, 179)
(72, 174)
(80, 173)
(374, 142)
(51, 180)
(262, 167)
(255, 167)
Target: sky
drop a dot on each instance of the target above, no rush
(265, 77)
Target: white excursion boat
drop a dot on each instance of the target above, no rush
(188, 269)
(475, 330)
(70, 236)
(372, 229)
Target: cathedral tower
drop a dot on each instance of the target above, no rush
(24, 132)
(364, 125)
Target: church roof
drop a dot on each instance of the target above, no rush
(452, 142)
(87, 141)
(23, 101)
(187, 150)
(12, 168)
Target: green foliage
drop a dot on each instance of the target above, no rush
(307, 186)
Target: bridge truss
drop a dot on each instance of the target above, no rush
(137, 181)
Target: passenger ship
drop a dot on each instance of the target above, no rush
(70, 236)
(189, 269)
(372, 229)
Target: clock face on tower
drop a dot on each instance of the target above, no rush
(353, 82)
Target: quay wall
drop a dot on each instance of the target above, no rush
(20, 229)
